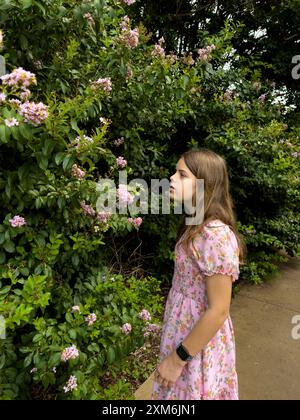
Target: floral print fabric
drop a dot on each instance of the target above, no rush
(211, 375)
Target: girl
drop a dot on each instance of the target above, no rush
(207, 258)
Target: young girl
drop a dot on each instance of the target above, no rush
(207, 259)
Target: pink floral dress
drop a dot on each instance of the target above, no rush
(211, 375)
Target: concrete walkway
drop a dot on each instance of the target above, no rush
(268, 358)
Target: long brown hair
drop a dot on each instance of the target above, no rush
(218, 204)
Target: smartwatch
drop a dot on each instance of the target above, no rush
(183, 353)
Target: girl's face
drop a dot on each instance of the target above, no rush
(184, 183)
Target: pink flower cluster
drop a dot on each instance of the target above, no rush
(129, 37)
(17, 221)
(158, 49)
(19, 78)
(81, 141)
(262, 98)
(295, 154)
(77, 172)
(71, 384)
(136, 222)
(87, 209)
(1, 39)
(2, 97)
(103, 217)
(145, 315)
(126, 328)
(172, 58)
(256, 86)
(188, 59)
(34, 113)
(75, 308)
(129, 2)
(89, 18)
(91, 318)
(119, 142)
(151, 329)
(121, 162)
(228, 95)
(69, 353)
(103, 83)
(11, 122)
(205, 53)
(124, 195)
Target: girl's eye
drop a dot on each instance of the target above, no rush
(182, 175)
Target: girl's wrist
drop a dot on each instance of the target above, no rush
(177, 359)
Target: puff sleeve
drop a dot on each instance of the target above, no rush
(217, 252)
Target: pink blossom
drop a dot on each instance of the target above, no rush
(256, 86)
(129, 37)
(104, 217)
(25, 94)
(129, 2)
(90, 19)
(205, 53)
(88, 210)
(2, 97)
(1, 39)
(33, 370)
(121, 162)
(262, 98)
(172, 58)
(75, 308)
(81, 141)
(151, 328)
(136, 222)
(15, 102)
(91, 318)
(105, 84)
(295, 154)
(77, 172)
(19, 78)
(145, 315)
(158, 51)
(119, 142)
(17, 221)
(34, 113)
(124, 196)
(11, 122)
(71, 384)
(228, 95)
(126, 328)
(188, 59)
(69, 353)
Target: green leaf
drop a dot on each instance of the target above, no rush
(28, 360)
(59, 157)
(111, 355)
(2, 361)
(5, 290)
(54, 360)
(73, 334)
(37, 337)
(9, 246)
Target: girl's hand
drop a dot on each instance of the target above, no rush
(169, 370)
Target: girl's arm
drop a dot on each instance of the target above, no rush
(219, 287)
